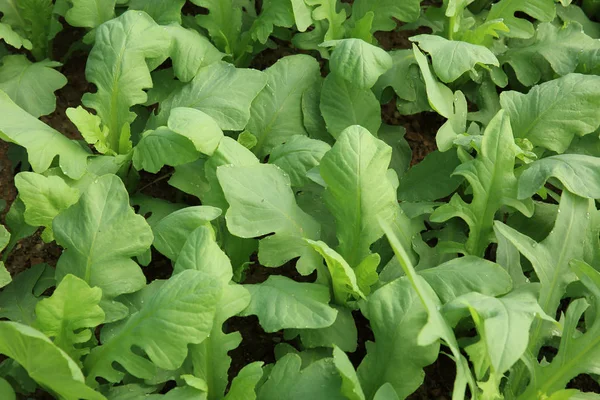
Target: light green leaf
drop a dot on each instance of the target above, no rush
(90, 13)
(6, 390)
(436, 328)
(184, 306)
(328, 10)
(229, 152)
(5, 277)
(198, 127)
(172, 232)
(91, 231)
(44, 198)
(163, 147)
(396, 317)
(345, 286)
(344, 105)
(551, 114)
(219, 90)
(190, 51)
(45, 362)
(15, 222)
(190, 178)
(504, 321)
(341, 333)
(358, 62)
(223, 23)
(386, 392)
(68, 315)
(405, 79)
(302, 15)
(244, 384)
(12, 38)
(273, 13)
(201, 252)
(124, 44)
(484, 33)
(452, 58)
(247, 140)
(440, 97)
(210, 358)
(91, 128)
(464, 275)
(358, 191)
(494, 185)
(557, 47)
(456, 126)
(276, 113)
(31, 85)
(350, 384)
(541, 10)
(154, 210)
(385, 11)
(318, 381)
(575, 13)
(35, 19)
(261, 201)
(550, 258)
(163, 12)
(282, 303)
(297, 156)
(580, 174)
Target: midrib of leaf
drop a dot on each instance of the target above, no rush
(545, 303)
(354, 116)
(115, 130)
(289, 217)
(91, 253)
(358, 208)
(19, 82)
(121, 337)
(268, 127)
(543, 114)
(17, 12)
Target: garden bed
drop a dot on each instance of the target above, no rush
(302, 199)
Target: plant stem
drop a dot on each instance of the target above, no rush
(160, 178)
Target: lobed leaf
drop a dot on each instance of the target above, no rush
(184, 306)
(494, 185)
(69, 315)
(91, 231)
(358, 190)
(124, 43)
(553, 113)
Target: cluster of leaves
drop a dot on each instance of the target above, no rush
(487, 250)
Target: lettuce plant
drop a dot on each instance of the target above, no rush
(487, 250)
